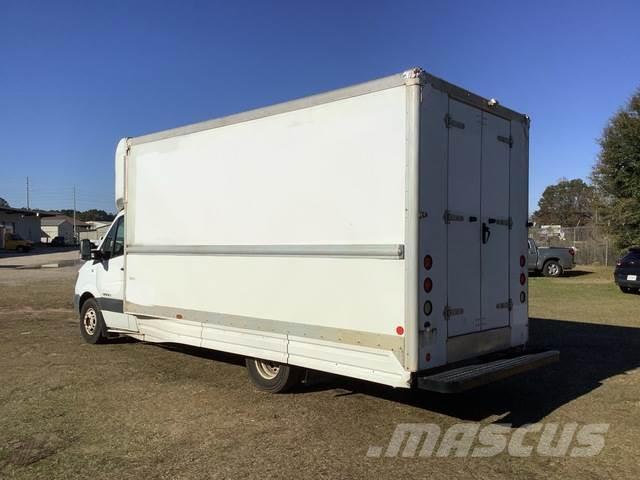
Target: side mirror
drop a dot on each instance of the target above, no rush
(85, 249)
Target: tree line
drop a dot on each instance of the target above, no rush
(83, 216)
(612, 198)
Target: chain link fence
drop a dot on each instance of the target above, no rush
(593, 246)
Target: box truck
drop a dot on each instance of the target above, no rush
(377, 231)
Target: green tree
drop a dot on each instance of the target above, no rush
(568, 203)
(93, 214)
(617, 173)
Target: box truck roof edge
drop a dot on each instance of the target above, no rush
(408, 77)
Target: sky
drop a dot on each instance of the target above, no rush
(76, 76)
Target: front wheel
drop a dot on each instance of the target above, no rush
(627, 289)
(92, 324)
(552, 269)
(273, 377)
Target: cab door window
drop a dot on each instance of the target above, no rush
(107, 247)
(118, 241)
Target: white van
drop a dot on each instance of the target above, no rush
(377, 231)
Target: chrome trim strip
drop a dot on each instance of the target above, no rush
(395, 252)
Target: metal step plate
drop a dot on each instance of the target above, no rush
(470, 376)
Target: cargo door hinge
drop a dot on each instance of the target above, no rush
(450, 312)
(450, 122)
(508, 140)
(508, 305)
(449, 217)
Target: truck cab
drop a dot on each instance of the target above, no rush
(101, 284)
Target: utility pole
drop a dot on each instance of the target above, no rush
(28, 206)
(75, 236)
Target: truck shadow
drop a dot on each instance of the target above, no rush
(589, 355)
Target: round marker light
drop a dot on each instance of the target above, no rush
(522, 260)
(523, 279)
(427, 357)
(428, 262)
(428, 285)
(428, 308)
(523, 297)
(399, 330)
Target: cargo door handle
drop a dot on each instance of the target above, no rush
(486, 233)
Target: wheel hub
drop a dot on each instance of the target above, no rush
(90, 321)
(267, 370)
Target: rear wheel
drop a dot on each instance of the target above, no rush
(92, 324)
(552, 269)
(273, 377)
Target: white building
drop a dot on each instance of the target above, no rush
(61, 226)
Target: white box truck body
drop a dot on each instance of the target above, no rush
(377, 232)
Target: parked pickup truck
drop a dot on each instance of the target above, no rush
(550, 261)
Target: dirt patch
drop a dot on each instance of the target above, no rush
(25, 451)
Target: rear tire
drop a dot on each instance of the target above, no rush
(552, 268)
(273, 377)
(92, 324)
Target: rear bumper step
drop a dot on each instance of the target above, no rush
(471, 376)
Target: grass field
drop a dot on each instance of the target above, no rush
(128, 409)
(587, 294)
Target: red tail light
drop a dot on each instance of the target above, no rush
(523, 279)
(572, 251)
(428, 285)
(428, 262)
(522, 260)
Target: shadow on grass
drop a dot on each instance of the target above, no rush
(576, 273)
(589, 354)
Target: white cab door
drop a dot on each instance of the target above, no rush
(110, 277)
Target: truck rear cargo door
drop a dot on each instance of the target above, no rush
(496, 222)
(478, 221)
(463, 218)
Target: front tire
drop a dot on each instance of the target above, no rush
(552, 269)
(92, 324)
(627, 289)
(273, 377)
